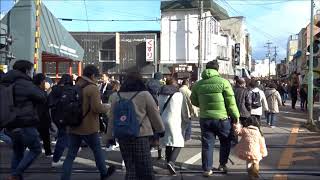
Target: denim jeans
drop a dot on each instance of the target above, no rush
(5, 138)
(24, 138)
(211, 128)
(271, 118)
(61, 144)
(93, 141)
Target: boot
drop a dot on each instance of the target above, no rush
(255, 170)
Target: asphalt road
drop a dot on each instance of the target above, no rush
(294, 153)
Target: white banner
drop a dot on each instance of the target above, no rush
(149, 50)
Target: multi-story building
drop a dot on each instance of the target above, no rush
(237, 29)
(180, 36)
(300, 56)
(292, 48)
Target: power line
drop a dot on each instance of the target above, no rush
(107, 20)
(269, 3)
(85, 7)
(259, 30)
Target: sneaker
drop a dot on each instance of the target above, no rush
(123, 165)
(272, 126)
(111, 170)
(223, 168)
(207, 173)
(48, 155)
(171, 168)
(57, 164)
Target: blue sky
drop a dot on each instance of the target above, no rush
(272, 20)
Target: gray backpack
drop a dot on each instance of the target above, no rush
(8, 111)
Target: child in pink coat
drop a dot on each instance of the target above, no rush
(252, 146)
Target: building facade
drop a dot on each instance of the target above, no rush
(180, 36)
(292, 48)
(282, 69)
(116, 53)
(262, 69)
(236, 28)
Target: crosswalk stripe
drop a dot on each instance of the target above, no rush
(307, 150)
(302, 158)
(193, 159)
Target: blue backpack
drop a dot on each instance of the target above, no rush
(125, 124)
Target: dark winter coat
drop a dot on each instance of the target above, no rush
(27, 96)
(243, 100)
(44, 115)
(154, 87)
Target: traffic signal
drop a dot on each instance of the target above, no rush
(5, 40)
(316, 44)
(237, 54)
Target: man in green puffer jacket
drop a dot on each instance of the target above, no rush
(215, 98)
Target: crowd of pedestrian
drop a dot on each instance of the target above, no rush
(136, 114)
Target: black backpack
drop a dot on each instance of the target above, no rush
(8, 111)
(67, 110)
(256, 100)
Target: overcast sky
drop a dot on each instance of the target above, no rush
(272, 20)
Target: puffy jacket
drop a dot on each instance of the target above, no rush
(214, 96)
(27, 96)
(243, 99)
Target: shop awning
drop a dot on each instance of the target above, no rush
(54, 38)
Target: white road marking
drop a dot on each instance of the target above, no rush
(193, 159)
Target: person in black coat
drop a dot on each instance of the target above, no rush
(154, 86)
(243, 100)
(23, 130)
(44, 116)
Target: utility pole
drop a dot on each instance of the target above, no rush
(275, 57)
(275, 54)
(200, 39)
(310, 80)
(269, 56)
